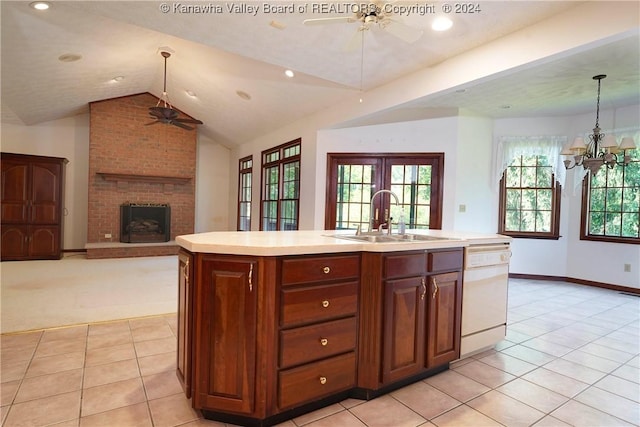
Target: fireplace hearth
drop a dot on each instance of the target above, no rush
(145, 223)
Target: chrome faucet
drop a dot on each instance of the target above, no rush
(371, 210)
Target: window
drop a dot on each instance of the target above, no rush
(353, 179)
(611, 204)
(529, 199)
(281, 187)
(244, 193)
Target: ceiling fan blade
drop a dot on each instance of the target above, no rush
(180, 125)
(401, 31)
(355, 42)
(152, 123)
(195, 121)
(334, 20)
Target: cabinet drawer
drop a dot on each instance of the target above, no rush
(308, 343)
(405, 265)
(445, 260)
(316, 380)
(306, 270)
(317, 303)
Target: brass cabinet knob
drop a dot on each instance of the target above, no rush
(324, 341)
(326, 270)
(323, 380)
(325, 303)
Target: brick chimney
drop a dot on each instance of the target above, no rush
(132, 162)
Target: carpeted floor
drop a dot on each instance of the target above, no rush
(75, 290)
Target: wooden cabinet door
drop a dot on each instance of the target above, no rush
(184, 363)
(44, 241)
(403, 328)
(227, 300)
(45, 193)
(30, 241)
(15, 192)
(444, 299)
(15, 241)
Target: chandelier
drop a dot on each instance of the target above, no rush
(601, 150)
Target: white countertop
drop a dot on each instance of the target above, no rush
(273, 243)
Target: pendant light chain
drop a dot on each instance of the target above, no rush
(361, 61)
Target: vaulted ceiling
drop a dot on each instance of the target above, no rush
(221, 49)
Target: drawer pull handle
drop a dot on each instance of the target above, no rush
(324, 341)
(326, 270)
(323, 380)
(325, 303)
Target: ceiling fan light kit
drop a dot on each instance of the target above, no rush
(374, 14)
(601, 150)
(166, 114)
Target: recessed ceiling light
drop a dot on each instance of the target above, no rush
(191, 93)
(243, 95)
(289, 73)
(40, 5)
(69, 57)
(118, 78)
(441, 23)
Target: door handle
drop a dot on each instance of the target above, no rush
(424, 288)
(185, 272)
(435, 285)
(250, 277)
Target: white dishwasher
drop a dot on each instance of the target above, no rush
(484, 297)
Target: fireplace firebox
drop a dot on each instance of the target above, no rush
(145, 223)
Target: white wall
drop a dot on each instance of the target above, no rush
(474, 157)
(68, 138)
(212, 186)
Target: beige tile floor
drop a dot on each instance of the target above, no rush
(571, 357)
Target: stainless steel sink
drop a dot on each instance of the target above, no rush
(386, 238)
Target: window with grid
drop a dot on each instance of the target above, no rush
(353, 178)
(611, 204)
(244, 193)
(529, 199)
(281, 187)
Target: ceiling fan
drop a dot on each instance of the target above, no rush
(375, 14)
(165, 113)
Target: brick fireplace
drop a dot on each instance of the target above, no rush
(131, 163)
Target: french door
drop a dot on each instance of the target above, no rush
(416, 179)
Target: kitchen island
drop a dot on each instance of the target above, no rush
(275, 324)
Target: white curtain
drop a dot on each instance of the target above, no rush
(512, 147)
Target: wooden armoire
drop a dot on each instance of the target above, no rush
(32, 206)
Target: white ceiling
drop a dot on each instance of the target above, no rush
(217, 54)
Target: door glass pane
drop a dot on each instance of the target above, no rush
(412, 185)
(355, 188)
